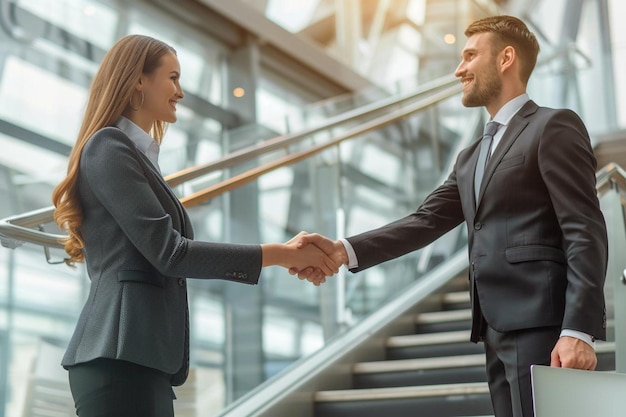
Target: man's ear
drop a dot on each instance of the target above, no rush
(507, 58)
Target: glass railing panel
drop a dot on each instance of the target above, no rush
(612, 204)
(379, 175)
(366, 182)
(38, 303)
(311, 114)
(399, 172)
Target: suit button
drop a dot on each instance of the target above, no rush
(478, 226)
(181, 282)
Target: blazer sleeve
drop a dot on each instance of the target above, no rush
(438, 214)
(114, 174)
(568, 167)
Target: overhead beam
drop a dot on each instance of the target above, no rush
(298, 48)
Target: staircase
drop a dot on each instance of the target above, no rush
(435, 372)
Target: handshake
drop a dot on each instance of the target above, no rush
(311, 256)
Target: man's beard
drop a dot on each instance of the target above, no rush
(483, 91)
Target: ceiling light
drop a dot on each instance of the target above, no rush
(449, 38)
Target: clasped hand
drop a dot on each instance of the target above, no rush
(316, 258)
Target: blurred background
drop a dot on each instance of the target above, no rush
(253, 72)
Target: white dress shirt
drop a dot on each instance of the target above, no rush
(143, 141)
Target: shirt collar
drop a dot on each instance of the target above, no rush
(144, 142)
(506, 112)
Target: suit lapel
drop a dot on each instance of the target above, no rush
(516, 126)
(184, 221)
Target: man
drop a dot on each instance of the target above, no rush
(537, 238)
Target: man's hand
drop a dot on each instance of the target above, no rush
(333, 248)
(310, 258)
(570, 352)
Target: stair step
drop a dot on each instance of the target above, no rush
(456, 361)
(440, 400)
(437, 372)
(426, 371)
(429, 339)
(442, 370)
(436, 317)
(415, 378)
(443, 390)
(431, 345)
(459, 283)
(456, 300)
(443, 321)
(605, 352)
(605, 347)
(406, 365)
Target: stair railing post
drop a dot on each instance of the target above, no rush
(615, 287)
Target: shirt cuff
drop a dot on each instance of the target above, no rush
(580, 335)
(353, 262)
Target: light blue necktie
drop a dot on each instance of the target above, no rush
(490, 129)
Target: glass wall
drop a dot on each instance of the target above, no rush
(49, 51)
(582, 44)
(616, 11)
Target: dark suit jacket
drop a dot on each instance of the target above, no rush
(537, 237)
(139, 250)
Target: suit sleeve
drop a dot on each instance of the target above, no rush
(440, 213)
(568, 166)
(113, 173)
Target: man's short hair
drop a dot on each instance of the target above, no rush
(510, 31)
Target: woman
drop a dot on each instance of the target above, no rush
(131, 343)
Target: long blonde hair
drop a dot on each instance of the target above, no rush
(109, 97)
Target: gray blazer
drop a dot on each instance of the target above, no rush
(139, 250)
(537, 238)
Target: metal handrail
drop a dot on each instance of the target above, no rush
(610, 176)
(283, 141)
(248, 176)
(18, 229)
